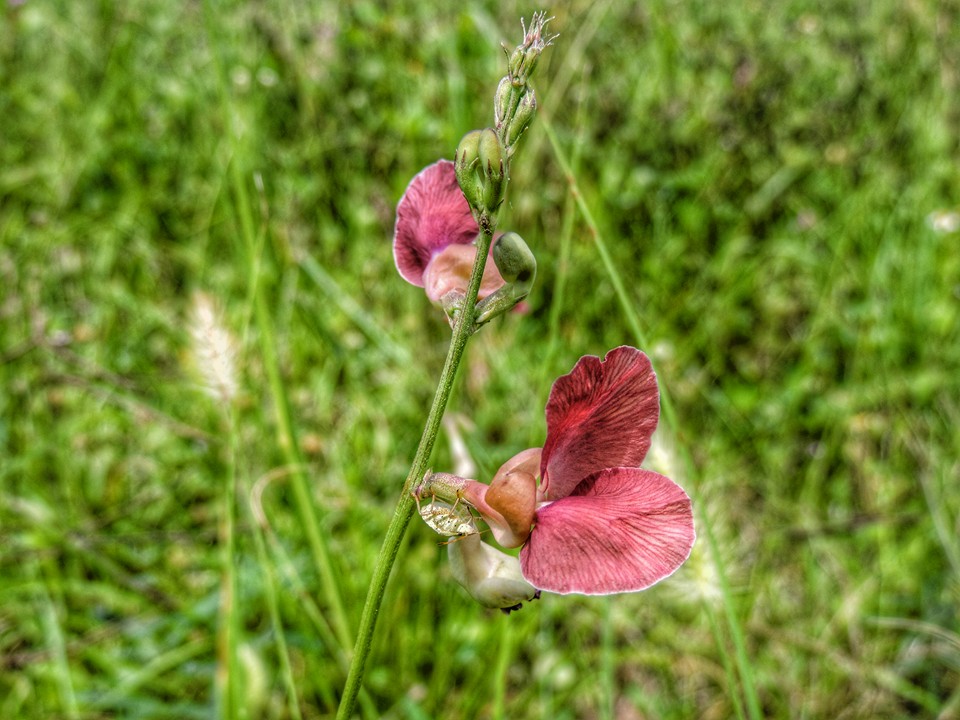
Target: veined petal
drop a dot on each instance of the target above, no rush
(431, 215)
(600, 415)
(621, 530)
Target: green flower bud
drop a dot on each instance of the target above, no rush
(468, 150)
(503, 102)
(522, 63)
(466, 166)
(514, 260)
(518, 267)
(493, 167)
(491, 154)
(525, 112)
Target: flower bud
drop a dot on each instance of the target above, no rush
(522, 63)
(492, 577)
(503, 102)
(491, 154)
(523, 60)
(466, 166)
(492, 166)
(525, 112)
(468, 151)
(514, 260)
(518, 267)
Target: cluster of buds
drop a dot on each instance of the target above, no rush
(483, 157)
(481, 167)
(515, 103)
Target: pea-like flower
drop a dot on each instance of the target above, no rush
(434, 236)
(590, 520)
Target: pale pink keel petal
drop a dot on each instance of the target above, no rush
(527, 461)
(600, 415)
(450, 269)
(503, 528)
(621, 530)
(431, 215)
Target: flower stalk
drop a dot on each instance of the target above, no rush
(433, 242)
(462, 330)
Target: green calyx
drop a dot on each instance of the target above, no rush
(481, 170)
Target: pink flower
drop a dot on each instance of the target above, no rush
(597, 523)
(434, 235)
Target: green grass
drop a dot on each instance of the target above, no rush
(760, 177)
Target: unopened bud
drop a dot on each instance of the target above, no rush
(466, 166)
(503, 102)
(491, 154)
(493, 167)
(523, 60)
(514, 259)
(518, 267)
(468, 150)
(522, 117)
(522, 63)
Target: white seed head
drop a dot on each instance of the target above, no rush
(213, 349)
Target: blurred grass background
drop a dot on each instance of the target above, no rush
(777, 186)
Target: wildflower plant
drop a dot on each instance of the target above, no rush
(587, 518)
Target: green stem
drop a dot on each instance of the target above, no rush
(227, 641)
(462, 330)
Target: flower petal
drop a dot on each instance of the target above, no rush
(510, 520)
(491, 577)
(600, 415)
(431, 215)
(621, 530)
(526, 461)
(449, 270)
(514, 496)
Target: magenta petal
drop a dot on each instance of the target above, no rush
(431, 215)
(621, 530)
(600, 415)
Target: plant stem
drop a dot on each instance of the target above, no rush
(462, 330)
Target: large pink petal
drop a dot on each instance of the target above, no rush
(431, 215)
(622, 530)
(600, 415)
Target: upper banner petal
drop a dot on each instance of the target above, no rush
(621, 530)
(431, 215)
(600, 415)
